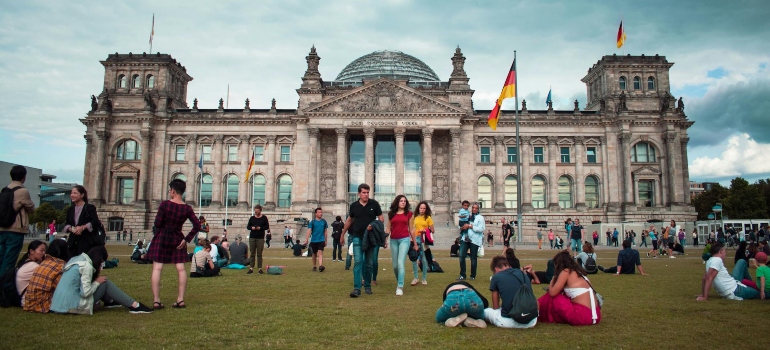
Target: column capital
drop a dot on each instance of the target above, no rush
(399, 132)
(168, 138)
(603, 140)
(192, 138)
(525, 139)
(103, 135)
(270, 138)
(684, 141)
(499, 139)
(670, 137)
(455, 133)
(88, 139)
(580, 140)
(552, 140)
(146, 135)
(341, 132)
(427, 133)
(369, 132)
(624, 137)
(313, 132)
(218, 138)
(244, 138)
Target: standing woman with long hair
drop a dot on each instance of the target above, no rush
(169, 245)
(570, 298)
(82, 223)
(399, 226)
(422, 221)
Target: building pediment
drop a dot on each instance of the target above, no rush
(646, 171)
(384, 96)
(124, 168)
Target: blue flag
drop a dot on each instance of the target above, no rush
(200, 162)
(548, 100)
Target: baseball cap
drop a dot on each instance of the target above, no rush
(761, 258)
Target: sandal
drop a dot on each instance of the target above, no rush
(157, 305)
(179, 305)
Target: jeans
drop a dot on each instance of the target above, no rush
(348, 257)
(609, 240)
(683, 242)
(576, 245)
(398, 250)
(375, 262)
(362, 266)
(108, 291)
(221, 262)
(256, 246)
(463, 301)
(740, 273)
(551, 243)
(337, 250)
(644, 242)
(463, 253)
(10, 247)
(418, 239)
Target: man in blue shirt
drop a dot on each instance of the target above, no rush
(316, 238)
(627, 258)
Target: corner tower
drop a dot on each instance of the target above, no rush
(629, 83)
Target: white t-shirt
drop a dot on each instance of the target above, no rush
(724, 283)
(214, 252)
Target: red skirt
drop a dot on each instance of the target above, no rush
(560, 309)
(163, 248)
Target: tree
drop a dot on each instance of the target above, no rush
(44, 214)
(745, 201)
(63, 215)
(706, 200)
(764, 188)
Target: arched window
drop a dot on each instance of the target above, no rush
(592, 192)
(485, 191)
(637, 83)
(650, 83)
(565, 192)
(538, 192)
(622, 83)
(284, 191)
(129, 150)
(511, 201)
(136, 81)
(205, 190)
(150, 82)
(122, 81)
(182, 177)
(258, 190)
(231, 190)
(643, 152)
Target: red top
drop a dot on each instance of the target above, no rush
(399, 225)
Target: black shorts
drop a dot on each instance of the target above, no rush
(655, 244)
(317, 246)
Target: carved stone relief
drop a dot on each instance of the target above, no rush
(441, 173)
(328, 167)
(385, 98)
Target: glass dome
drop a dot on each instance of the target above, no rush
(387, 64)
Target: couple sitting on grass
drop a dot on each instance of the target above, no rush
(569, 299)
(738, 285)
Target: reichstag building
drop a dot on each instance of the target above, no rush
(388, 120)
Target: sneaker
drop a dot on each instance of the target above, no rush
(110, 305)
(424, 282)
(141, 309)
(368, 290)
(414, 282)
(374, 283)
(314, 269)
(455, 321)
(321, 268)
(250, 272)
(355, 293)
(260, 271)
(601, 268)
(473, 278)
(347, 268)
(672, 257)
(648, 254)
(655, 257)
(460, 278)
(399, 291)
(474, 323)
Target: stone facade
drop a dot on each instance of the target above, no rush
(622, 158)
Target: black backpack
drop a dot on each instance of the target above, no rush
(590, 265)
(7, 214)
(9, 296)
(524, 307)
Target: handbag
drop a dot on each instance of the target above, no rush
(414, 255)
(275, 270)
(480, 253)
(198, 269)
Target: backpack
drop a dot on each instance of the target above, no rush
(7, 214)
(9, 296)
(590, 265)
(524, 306)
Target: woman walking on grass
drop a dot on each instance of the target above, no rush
(654, 239)
(168, 245)
(422, 221)
(399, 226)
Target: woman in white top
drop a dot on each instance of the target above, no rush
(27, 264)
(570, 298)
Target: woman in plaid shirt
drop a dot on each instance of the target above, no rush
(46, 277)
(169, 245)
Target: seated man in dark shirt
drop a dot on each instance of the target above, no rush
(627, 258)
(454, 250)
(298, 248)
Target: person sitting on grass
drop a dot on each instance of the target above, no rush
(297, 248)
(676, 248)
(27, 265)
(732, 287)
(540, 277)
(81, 286)
(627, 258)
(239, 252)
(570, 297)
(582, 258)
(763, 275)
(707, 250)
(454, 250)
(505, 285)
(46, 277)
(139, 254)
(513, 261)
(218, 253)
(558, 243)
(203, 265)
(463, 304)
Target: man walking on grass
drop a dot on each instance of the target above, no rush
(362, 212)
(316, 238)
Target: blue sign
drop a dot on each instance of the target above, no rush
(712, 216)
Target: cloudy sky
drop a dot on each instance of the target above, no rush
(50, 53)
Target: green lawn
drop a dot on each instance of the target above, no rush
(311, 309)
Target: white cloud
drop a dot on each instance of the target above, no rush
(742, 156)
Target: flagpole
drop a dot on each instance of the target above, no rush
(227, 199)
(200, 187)
(518, 152)
(227, 105)
(152, 32)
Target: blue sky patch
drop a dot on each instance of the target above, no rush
(716, 73)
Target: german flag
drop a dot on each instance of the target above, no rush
(621, 35)
(509, 90)
(248, 171)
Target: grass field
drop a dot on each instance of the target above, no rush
(304, 309)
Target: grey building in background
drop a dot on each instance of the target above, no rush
(34, 179)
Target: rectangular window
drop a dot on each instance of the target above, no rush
(646, 194)
(565, 154)
(485, 154)
(232, 153)
(179, 154)
(207, 153)
(126, 190)
(591, 154)
(259, 153)
(512, 156)
(115, 224)
(285, 153)
(538, 151)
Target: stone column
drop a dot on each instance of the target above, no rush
(498, 187)
(312, 179)
(455, 164)
(369, 159)
(87, 180)
(342, 187)
(103, 138)
(580, 190)
(244, 154)
(666, 195)
(604, 182)
(674, 182)
(270, 176)
(656, 188)
(427, 165)
(685, 169)
(399, 132)
(193, 184)
(144, 173)
(625, 143)
(553, 181)
(524, 177)
(218, 185)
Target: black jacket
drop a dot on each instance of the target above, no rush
(86, 240)
(375, 237)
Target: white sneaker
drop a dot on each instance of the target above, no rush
(399, 291)
(672, 257)
(455, 321)
(415, 281)
(474, 323)
(424, 282)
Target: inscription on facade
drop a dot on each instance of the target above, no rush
(391, 123)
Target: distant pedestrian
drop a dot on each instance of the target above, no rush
(596, 238)
(695, 237)
(550, 236)
(539, 239)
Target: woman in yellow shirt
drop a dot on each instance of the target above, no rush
(420, 222)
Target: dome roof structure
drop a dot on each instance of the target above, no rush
(387, 64)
